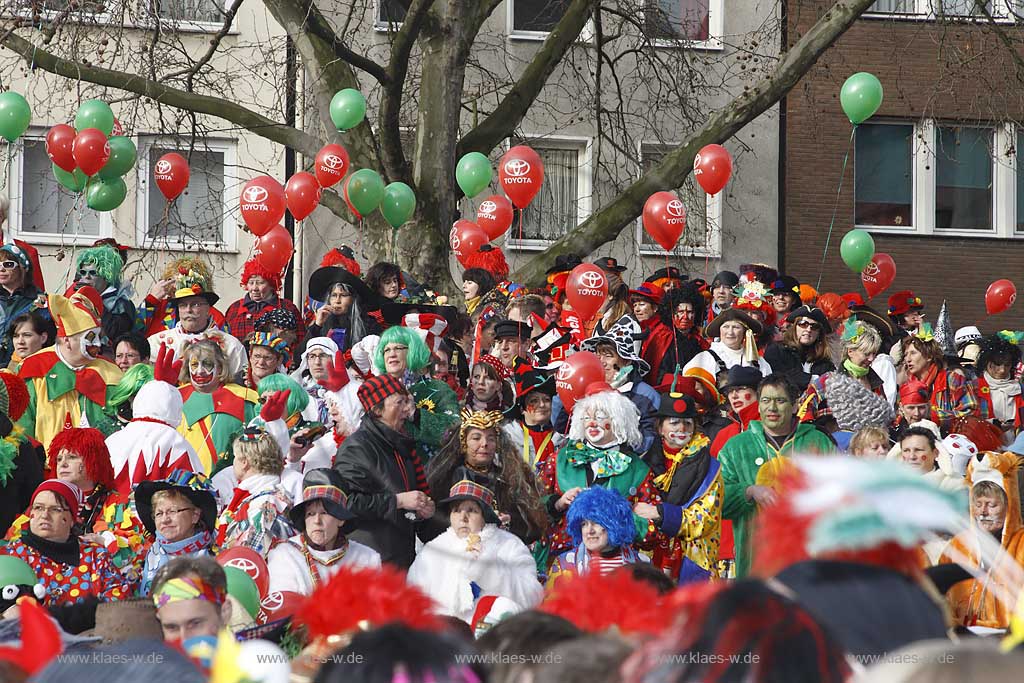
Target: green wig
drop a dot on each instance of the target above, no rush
(297, 400)
(419, 355)
(129, 385)
(108, 262)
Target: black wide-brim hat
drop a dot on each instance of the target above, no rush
(742, 376)
(200, 495)
(324, 485)
(394, 313)
(730, 314)
(322, 279)
(564, 263)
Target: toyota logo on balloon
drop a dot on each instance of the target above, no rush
(245, 564)
(517, 168)
(163, 167)
(255, 194)
(871, 270)
(563, 372)
(273, 601)
(333, 161)
(592, 279)
(455, 241)
(676, 208)
(488, 207)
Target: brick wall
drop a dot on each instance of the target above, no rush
(951, 72)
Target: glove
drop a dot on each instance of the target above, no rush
(274, 406)
(337, 375)
(167, 368)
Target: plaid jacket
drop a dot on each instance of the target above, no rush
(985, 410)
(241, 316)
(952, 397)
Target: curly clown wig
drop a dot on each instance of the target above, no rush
(624, 416)
(606, 507)
(88, 443)
(128, 386)
(342, 256)
(254, 268)
(418, 356)
(490, 259)
(996, 348)
(107, 259)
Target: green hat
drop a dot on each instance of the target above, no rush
(15, 571)
(242, 588)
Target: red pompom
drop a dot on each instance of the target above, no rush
(339, 257)
(491, 259)
(596, 603)
(17, 395)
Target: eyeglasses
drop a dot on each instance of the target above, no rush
(170, 513)
(808, 325)
(9, 265)
(88, 273)
(48, 510)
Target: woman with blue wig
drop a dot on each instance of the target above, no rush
(404, 355)
(600, 522)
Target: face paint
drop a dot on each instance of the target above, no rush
(676, 431)
(202, 371)
(90, 343)
(598, 428)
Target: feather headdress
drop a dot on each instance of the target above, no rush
(597, 603)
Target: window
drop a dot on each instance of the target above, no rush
(390, 13)
(883, 175)
(936, 9)
(703, 213)
(1019, 139)
(963, 179)
(42, 210)
(197, 216)
(536, 16)
(198, 11)
(564, 198)
(690, 23)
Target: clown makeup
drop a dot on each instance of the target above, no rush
(918, 453)
(90, 343)
(89, 275)
(732, 334)
(643, 309)
(598, 425)
(484, 386)
(595, 536)
(683, 316)
(538, 408)
(481, 444)
(676, 432)
(259, 289)
(203, 373)
(741, 397)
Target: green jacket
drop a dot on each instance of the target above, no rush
(741, 458)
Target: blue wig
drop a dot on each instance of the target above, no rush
(608, 508)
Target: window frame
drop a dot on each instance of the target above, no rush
(716, 31)
(186, 26)
(383, 26)
(712, 210)
(140, 19)
(232, 189)
(17, 209)
(916, 187)
(1003, 13)
(584, 183)
(924, 153)
(585, 37)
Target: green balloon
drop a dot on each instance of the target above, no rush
(473, 173)
(16, 571)
(74, 181)
(857, 249)
(95, 114)
(122, 158)
(398, 204)
(365, 190)
(15, 115)
(861, 97)
(105, 195)
(242, 588)
(348, 108)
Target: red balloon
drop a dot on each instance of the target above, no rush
(250, 562)
(465, 239)
(664, 219)
(274, 249)
(302, 194)
(263, 204)
(575, 374)
(91, 150)
(171, 173)
(494, 216)
(59, 141)
(331, 165)
(878, 274)
(999, 296)
(278, 605)
(586, 290)
(713, 167)
(521, 174)
(118, 129)
(344, 193)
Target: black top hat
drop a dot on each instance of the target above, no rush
(815, 314)
(323, 279)
(512, 328)
(324, 485)
(742, 376)
(609, 264)
(529, 379)
(670, 272)
(786, 285)
(194, 486)
(677, 405)
(564, 263)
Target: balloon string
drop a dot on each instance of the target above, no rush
(521, 228)
(359, 240)
(835, 207)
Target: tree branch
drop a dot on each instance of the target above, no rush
(229, 17)
(605, 225)
(507, 116)
(316, 23)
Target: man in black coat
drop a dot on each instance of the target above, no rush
(383, 476)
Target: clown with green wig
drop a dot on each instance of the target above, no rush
(100, 267)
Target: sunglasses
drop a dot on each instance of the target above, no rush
(808, 325)
(9, 265)
(88, 273)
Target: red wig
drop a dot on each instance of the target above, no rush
(255, 268)
(88, 443)
(491, 259)
(17, 395)
(343, 257)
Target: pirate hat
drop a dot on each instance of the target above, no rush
(732, 314)
(627, 337)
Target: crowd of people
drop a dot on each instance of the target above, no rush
(794, 478)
